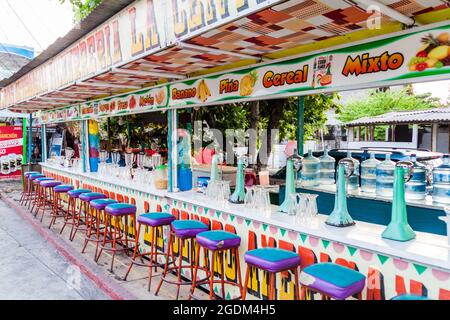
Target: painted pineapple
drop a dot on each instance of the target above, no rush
(247, 83)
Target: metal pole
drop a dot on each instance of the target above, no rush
(30, 138)
(169, 147)
(44, 143)
(84, 145)
(24, 141)
(300, 124)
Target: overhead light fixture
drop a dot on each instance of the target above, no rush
(388, 11)
(142, 73)
(107, 85)
(217, 51)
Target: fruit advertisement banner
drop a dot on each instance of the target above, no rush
(11, 149)
(138, 102)
(406, 58)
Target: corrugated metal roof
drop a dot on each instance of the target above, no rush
(105, 10)
(418, 116)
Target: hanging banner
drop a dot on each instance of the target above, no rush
(147, 26)
(11, 151)
(407, 58)
(137, 102)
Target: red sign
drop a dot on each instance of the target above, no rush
(11, 144)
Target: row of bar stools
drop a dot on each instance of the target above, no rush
(181, 230)
(57, 199)
(117, 212)
(71, 214)
(94, 222)
(29, 197)
(154, 221)
(273, 261)
(218, 243)
(26, 186)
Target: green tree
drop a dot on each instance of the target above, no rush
(82, 8)
(379, 102)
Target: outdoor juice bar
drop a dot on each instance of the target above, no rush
(395, 259)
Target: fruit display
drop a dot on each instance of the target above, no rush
(247, 83)
(160, 96)
(434, 53)
(203, 91)
(132, 102)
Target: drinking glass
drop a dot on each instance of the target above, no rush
(249, 199)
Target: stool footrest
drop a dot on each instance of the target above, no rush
(176, 268)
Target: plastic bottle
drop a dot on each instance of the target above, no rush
(369, 174)
(353, 180)
(385, 177)
(416, 187)
(441, 181)
(327, 168)
(310, 172)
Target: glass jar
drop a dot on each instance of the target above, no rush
(369, 174)
(441, 181)
(416, 187)
(160, 177)
(327, 168)
(310, 172)
(385, 177)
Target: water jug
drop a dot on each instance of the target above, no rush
(416, 187)
(327, 168)
(311, 170)
(441, 181)
(369, 174)
(385, 177)
(353, 180)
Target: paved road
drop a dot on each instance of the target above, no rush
(30, 268)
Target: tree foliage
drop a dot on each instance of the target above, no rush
(378, 102)
(82, 8)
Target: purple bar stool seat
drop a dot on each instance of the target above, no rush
(76, 193)
(408, 296)
(332, 280)
(122, 214)
(93, 227)
(217, 242)
(155, 221)
(89, 196)
(64, 188)
(181, 230)
(49, 183)
(272, 260)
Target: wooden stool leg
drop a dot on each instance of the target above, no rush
(194, 275)
(238, 269)
(247, 274)
(153, 255)
(180, 262)
(296, 285)
(166, 265)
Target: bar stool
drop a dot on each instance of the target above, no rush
(154, 221)
(332, 280)
(46, 198)
(71, 213)
(217, 242)
(38, 192)
(33, 187)
(26, 186)
(93, 227)
(57, 206)
(181, 230)
(118, 211)
(85, 199)
(273, 261)
(408, 296)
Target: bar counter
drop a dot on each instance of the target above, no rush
(420, 266)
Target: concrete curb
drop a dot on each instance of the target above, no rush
(90, 270)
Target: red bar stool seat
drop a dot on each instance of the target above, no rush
(94, 224)
(272, 260)
(181, 230)
(57, 205)
(71, 217)
(155, 221)
(217, 242)
(119, 212)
